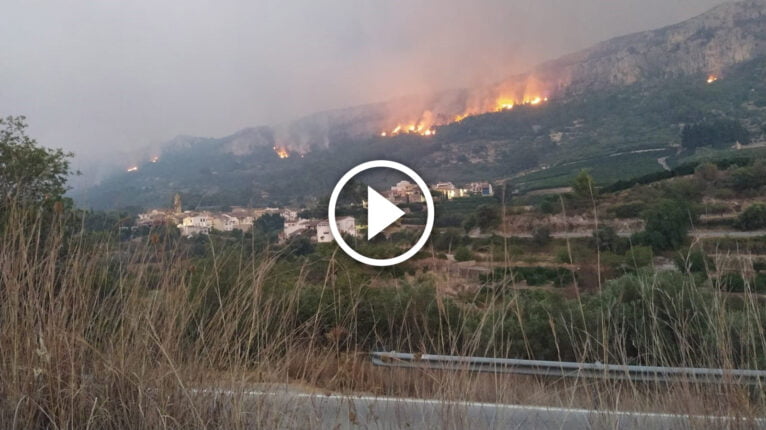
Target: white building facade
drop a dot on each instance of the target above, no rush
(346, 225)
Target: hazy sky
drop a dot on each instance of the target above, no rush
(100, 77)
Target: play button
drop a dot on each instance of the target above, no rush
(381, 213)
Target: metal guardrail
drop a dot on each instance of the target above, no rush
(563, 369)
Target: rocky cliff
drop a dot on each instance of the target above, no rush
(707, 44)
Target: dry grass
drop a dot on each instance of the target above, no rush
(82, 348)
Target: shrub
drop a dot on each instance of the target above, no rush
(696, 262)
(583, 185)
(533, 276)
(732, 282)
(667, 223)
(562, 256)
(463, 254)
(550, 205)
(750, 177)
(628, 210)
(639, 256)
(718, 133)
(753, 218)
(606, 239)
(706, 172)
(541, 235)
(487, 216)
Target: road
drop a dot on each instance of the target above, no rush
(699, 234)
(288, 410)
(664, 163)
(557, 235)
(703, 234)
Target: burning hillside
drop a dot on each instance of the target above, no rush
(281, 152)
(500, 98)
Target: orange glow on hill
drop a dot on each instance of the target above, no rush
(428, 121)
(505, 103)
(281, 152)
(711, 79)
(410, 129)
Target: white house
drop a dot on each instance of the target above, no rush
(225, 222)
(324, 235)
(289, 215)
(449, 190)
(346, 225)
(245, 223)
(482, 188)
(293, 227)
(404, 192)
(196, 224)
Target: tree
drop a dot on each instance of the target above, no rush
(299, 246)
(463, 254)
(583, 185)
(606, 239)
(269, 224)
(753, 218)
(696, 261)
(550, 205)
(707, 172)
(487, 216)
(749, 177)
(469, 223)
(719, 133)
(667, 223)
(29, 173)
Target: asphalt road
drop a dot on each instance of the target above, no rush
(296, 410)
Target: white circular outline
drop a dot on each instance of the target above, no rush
(381, 262)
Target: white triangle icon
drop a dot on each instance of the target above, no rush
(380, 213)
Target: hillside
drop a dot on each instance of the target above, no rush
(615, 108)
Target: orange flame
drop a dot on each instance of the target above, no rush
(711, 79)
(133, 169)
(155, 159)
(421, 129)
(281, 152)
(426, 125)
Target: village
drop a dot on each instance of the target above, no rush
(191, 223)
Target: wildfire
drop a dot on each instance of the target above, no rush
(420, 129)
(133, 169)
(155, 159)
(429, 120)
(281, 152)
(711, 79)
(508, 104)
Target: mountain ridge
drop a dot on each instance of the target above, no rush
(627, 71)
(605, 64)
